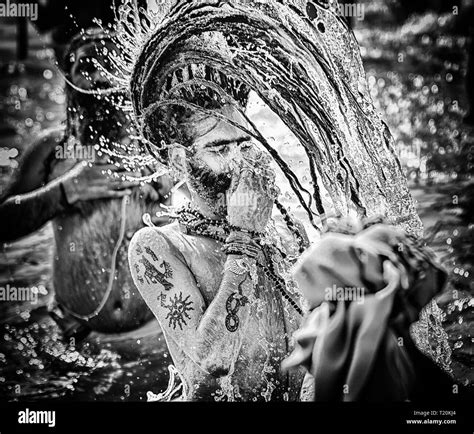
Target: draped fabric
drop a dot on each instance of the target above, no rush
(357, 347)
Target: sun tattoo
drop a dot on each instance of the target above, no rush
(178, 311)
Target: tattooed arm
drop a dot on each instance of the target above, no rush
(210, 336)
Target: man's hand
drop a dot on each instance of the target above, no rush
(85, 182)
(252, 194)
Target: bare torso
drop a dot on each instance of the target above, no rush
(256, 374)
(84, 244)
(85, 239)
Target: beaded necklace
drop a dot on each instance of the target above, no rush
(191, 221)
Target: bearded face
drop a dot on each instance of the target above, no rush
(212, 146)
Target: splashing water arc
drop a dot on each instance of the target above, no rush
(310, 74)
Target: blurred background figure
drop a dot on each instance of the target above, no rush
(67, 212)
(62, 178)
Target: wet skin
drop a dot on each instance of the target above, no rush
(184, 280)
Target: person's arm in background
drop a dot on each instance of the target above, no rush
(31, 200)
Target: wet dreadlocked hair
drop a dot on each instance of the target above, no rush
(181, 88)
(310, 75)
(201, 87)
(188, 99)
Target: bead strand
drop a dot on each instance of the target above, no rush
(291, 226)
(269, 271)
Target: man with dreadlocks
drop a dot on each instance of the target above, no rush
(214, 279)
(60, 179)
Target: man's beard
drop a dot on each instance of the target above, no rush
(207, 183)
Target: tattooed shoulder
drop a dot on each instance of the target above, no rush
(146, 263)
(151, 257)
